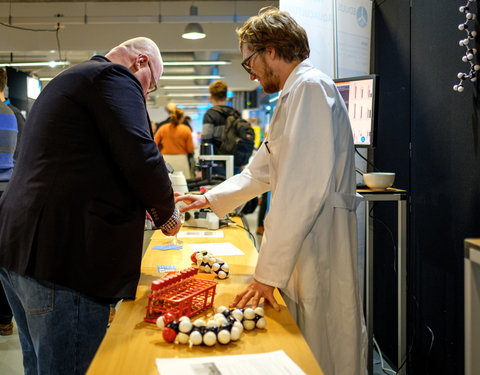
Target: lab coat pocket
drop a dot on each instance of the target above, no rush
(274, 149)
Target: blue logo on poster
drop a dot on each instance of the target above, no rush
(363, 139)
(362, 16)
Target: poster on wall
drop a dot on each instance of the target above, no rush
(339, 33)
(316, 17)
(354, 25)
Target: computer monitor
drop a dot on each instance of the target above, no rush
(359, 94)
(33, 87)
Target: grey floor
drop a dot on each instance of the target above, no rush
(11, 353)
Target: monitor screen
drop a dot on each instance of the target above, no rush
(33, 87)
(359, 94)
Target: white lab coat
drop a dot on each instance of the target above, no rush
(309, 248)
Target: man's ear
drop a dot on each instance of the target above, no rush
(139, 61)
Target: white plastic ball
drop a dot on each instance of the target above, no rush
(473, 33)
(211, 260)
(455, 88)
(235, 333)
(464, 58)
(223, 337)
(207, 268)
(238, 326)
(220, 319)
(469, 16)
(183, 338)
(461, 42)
(196, 338)
(221, 309)
(460, 88)
(215, 267)
(185, 326)
(249, 324)
(160, 322)
(212, 323)
(199, 323)
(470, 56)
(238, 314)
(473, 79)
(225, 268)
(184, 317)
(259, 311)
(476, 67)
(261, 323)
(461, 9)
(461, 26)
(249, 313)
(209, 338)
(221, 275)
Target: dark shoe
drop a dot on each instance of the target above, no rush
(6, 329)
(260, 230)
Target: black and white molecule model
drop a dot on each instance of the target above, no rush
(206, 262)
(224, 327)
(470, 53)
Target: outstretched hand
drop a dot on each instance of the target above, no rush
(255, 291)
(191, 201)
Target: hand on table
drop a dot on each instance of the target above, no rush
(255, 291)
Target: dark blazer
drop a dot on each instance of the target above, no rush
(74, 210)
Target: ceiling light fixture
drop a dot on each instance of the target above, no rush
(195, 76)
(184, 87)
(196, 62)
(51, 64)
(187, 95)
(193, 30)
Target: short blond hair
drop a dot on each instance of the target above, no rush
(218, 90)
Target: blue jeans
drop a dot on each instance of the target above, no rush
(59, 328)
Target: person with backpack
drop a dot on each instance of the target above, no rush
(224, 128)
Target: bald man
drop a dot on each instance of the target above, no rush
(72, 216)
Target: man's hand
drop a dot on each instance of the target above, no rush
(255, 291)
(191, 202)
(174, 231)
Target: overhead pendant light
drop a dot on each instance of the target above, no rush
(193, 30)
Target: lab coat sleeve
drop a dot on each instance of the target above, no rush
(253, 181)
(305, 174)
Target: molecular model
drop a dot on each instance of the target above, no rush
(226, 326)
(206, 262)
(470, 51)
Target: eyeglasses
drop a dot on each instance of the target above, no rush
(245, 63)
(153, 84)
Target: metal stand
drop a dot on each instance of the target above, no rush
(370, 196)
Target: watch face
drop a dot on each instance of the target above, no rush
(362, 16)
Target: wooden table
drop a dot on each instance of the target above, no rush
(131, 345)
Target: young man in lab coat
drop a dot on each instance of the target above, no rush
(309, 246)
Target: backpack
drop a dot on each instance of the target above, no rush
(238, 137)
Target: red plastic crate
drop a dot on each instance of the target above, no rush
(180, 294)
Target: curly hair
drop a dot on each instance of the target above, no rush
(277, 29)
(177, 116)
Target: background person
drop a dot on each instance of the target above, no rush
(8, 142)
(72, 216)
(214, 122)
(175, 142)
(309, 247)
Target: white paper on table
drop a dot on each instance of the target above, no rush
(201, 233)
(278, 363)
(218, 248)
